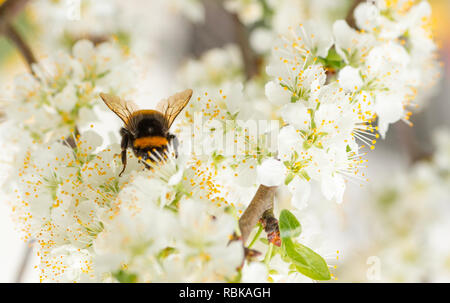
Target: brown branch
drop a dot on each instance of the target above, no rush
(262, 201)
(252, 62)
(8, 11)
(350, 16)
(21, 45)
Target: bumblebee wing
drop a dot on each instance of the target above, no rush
(123, 109)
(172, 106)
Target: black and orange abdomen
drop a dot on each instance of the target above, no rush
(150, 148)
(150, 142)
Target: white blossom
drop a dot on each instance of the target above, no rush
(324, 93)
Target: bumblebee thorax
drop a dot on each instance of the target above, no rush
(149, 123)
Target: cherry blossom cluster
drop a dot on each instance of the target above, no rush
(327, 90)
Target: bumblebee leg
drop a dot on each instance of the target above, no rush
(174, 141)
(124, 160)
(124, 145)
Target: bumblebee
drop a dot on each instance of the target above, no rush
(146, 131)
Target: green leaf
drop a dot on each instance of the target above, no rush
(305, 175)
(306, 261)
(289, 178)
(289, 225)
(333, 55)
(306, 144)
(264, 240)
(333, 60)
(125, 277)
(164, 253)
(123, 38)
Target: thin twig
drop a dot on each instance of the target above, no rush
(8, 11)
(250, 58)
(350, 15)
(25, 260)
(14, 36)
(262, 201)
